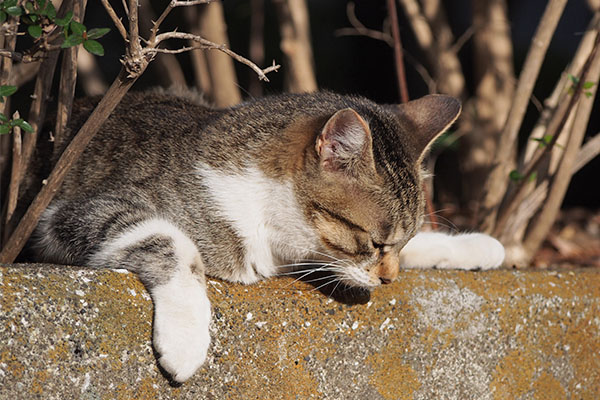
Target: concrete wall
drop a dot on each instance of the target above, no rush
(69, 333)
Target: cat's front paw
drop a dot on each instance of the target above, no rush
(181, 336)
(468, 251)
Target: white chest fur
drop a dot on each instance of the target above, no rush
(265, 214)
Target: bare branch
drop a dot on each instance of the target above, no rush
(68, 78)
(358, 29)
(15, 178)
(587, 153)
(37, 110)
(550, 104)
(542, 222)
(27, 224)
(167, 67)
(116, 20)
(172, 4)
(497, 182)
(208, 45)
(555, 128)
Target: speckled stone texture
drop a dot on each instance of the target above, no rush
(72, 333)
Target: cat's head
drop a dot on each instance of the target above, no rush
(364, 180)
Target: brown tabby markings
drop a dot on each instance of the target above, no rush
(172, 190)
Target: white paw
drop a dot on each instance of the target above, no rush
(465, 251)
(181, 330)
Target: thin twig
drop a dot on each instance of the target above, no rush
(166, 66)
(359, 29)
(400, 75)
(462, 39)
(207, 44)
(116, 20)
(172, 4)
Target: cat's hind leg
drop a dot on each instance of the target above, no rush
(462, 251)
(170, 266)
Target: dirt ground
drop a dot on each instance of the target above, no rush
(573, 242)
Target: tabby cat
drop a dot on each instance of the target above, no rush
(174, 190)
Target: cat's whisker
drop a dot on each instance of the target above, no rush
(436, 212)
(335, 278)
(295, 271)
(450, 225)
(336, 286)
(319, 253)
(450, 228)
(319, 279)
(321, 268)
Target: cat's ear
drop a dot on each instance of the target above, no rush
(344, 142)
(427, 118)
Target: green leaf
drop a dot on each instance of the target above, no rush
(14, 11)
(71, 41)
(16, 122)
(25, 126)
(4, 129)
(97, 33)
(515, 175)
(532, 177)
(50, 11)
(7, 90)
(33, 18)
(77, 28)
(64, 21)
(588, 94)
(543, 141)
(573, 79)
(29, 7)
(10, 3)
(3, 118)
(35, 31)
(94, 47)
(588, 85)
(3, 16)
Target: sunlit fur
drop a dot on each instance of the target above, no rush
(323, 181)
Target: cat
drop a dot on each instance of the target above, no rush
(174, 190)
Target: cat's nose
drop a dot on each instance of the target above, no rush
(387, 269)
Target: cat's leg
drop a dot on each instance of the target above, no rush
(463, 251)
(165, 259)
(171, 267)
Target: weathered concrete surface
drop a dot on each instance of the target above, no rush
(68, 333)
